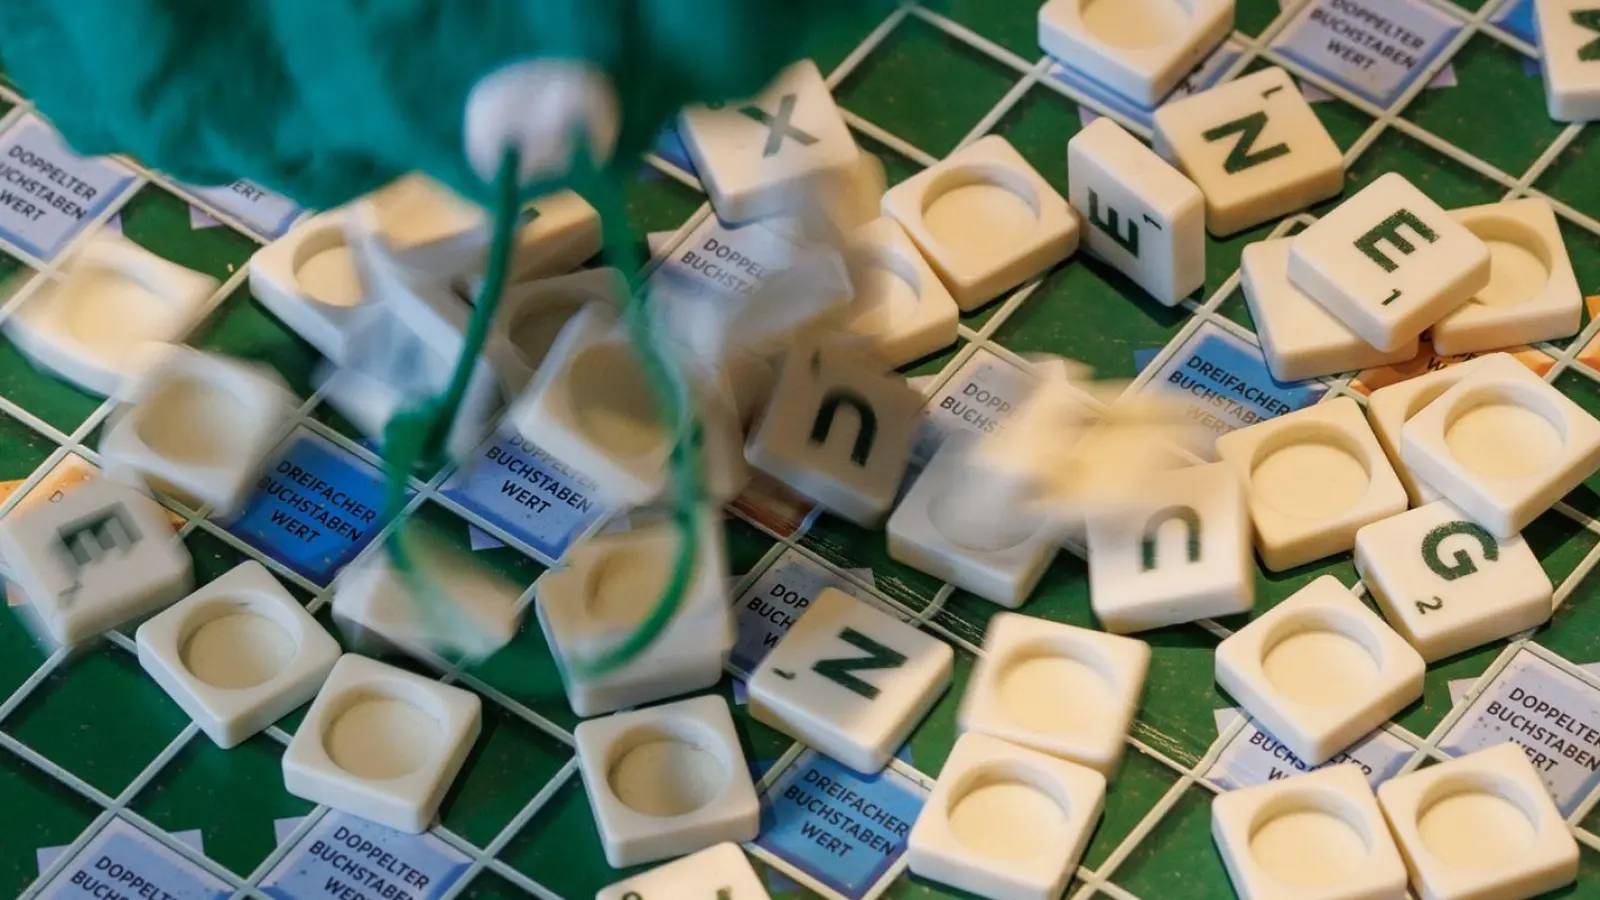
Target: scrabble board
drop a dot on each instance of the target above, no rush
(104, 781)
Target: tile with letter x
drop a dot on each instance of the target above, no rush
(850, 680)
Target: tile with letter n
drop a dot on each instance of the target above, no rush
(99, 718)
(1087, 311)
(1446, 182)
(1497, 111)
(1571, 177)
(40, 812)
(202, 781)
(160, 222)
(510, 762)
(241, 327)
(560, 846)
(915, 52)
(1184, 833)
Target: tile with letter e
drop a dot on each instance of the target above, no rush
(1389, 262)
(1254, 147)
(1142, 216)
(850, 680)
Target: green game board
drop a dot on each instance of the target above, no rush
(88, 742)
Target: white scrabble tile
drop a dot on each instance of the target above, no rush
(237, 655)
(836, 207)
(1004, 821)
(532, 314)
(112, 298)
(102, 555)
(1568, 30)
(1140, 214)
(374, 605)
(390, 367)
(1140, 52)
(1532, 293)
(985, 220)
(1313, 477)
(1178, 552)
(666, 780)
(721, 872)
(592, 407)
(382, 743)
(755, 156)
(1254, 147)
(1446, 584)
(1389, 262)
(850, 680)
(955, 524)
(308, 279)
(431, 229)
(1029, 665)
(1317, 836)
(1481, 827)
(837, 430)
(901, 311)
(1319, 670)
(1503, 446)
(608, 585)
(199, 426)
(1390, 407)
(1299, 337)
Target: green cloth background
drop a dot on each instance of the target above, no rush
(323, 100)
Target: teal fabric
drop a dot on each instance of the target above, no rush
(324, 100)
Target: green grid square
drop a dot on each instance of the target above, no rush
(99, 718)
(1560, 543)
(1090, 312)
(1039, 126)
(510, 762)
(246, 781)
(1571, 177)
(241, 327)
(1583, 249)
(53, 400)
(969, 82)
(1184, 833)
(560, 847)
(212, 557)
(1062, 595)
(1175, 717)
(746, 545)
(656, 202)
(836, 39)
(489, 886)
(1013, 24)
(1573, 631)
(159, 221)
(846, 545)
(525, 672)
(1139, 782)
(21, 653)
(1253, 16)
(1496, 112)
(22, 450)
(1445, 181)
(40, 812)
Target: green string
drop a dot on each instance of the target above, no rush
(419, 433)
